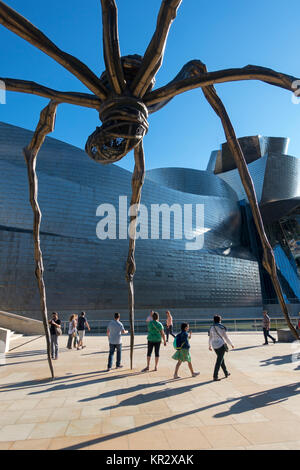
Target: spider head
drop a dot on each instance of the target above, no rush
(124, 119)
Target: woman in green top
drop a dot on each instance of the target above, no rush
(155, 334)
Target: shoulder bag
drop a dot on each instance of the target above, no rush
(225, 345)
(58, 330)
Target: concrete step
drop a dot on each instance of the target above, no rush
(21, 340)
(14, 336)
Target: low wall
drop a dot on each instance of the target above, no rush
(20, 324)
(285, 335)
(4, 340)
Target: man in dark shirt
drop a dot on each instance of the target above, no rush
(54, 323)
(82, 323)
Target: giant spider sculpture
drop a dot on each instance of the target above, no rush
(123, 96)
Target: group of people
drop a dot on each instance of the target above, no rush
(218, 340)
(76, 332)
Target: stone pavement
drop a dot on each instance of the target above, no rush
(257, 407)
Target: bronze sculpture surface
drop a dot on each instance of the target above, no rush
(124, 97)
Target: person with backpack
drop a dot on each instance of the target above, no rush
(155, 335)
(218, 341)
(182, 346)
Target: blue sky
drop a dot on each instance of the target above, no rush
(223, 34)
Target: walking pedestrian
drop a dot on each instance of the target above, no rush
(155, 335)
(266, 328)
(218, 340)
(82, 324)
(169, 325)
(71, 330)
(298, 322)
(115, 330)
(182, 353)
(55, 331)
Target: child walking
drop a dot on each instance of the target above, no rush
(183, 350)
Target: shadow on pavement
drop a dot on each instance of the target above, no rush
(240, 405)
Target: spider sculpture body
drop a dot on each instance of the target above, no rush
(124, 97)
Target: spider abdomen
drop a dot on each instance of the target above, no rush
(124, 125)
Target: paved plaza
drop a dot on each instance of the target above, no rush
(85, 407)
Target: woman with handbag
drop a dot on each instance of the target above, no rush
(218, 341)
(155, 335)
(76, 333)
(182, 346)
(72, 332)
(55, 331)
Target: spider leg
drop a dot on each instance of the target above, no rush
(19, 25)
(25, 86)
(182, 83)
(137, 184)
(44, 127)
(268, 257)
(111, 46)
(184, 74)
(153, 56)
(197, 68)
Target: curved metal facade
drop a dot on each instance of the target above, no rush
(276, 177)
(83, 272)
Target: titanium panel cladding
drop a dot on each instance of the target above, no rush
(83, 272)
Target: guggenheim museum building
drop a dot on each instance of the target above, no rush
(197, 251)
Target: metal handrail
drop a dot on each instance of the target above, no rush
(196, 324)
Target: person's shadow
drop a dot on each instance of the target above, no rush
(240, 405)
(277, 360)
(146, 397)
(258, 400)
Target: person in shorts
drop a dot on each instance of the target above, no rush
(155, 335)
(82, 324)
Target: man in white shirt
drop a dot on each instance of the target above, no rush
(217, 340)
(115, 330)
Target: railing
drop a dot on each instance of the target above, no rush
(288, 301)
(99, 327)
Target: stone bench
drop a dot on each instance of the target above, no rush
(285, 336)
